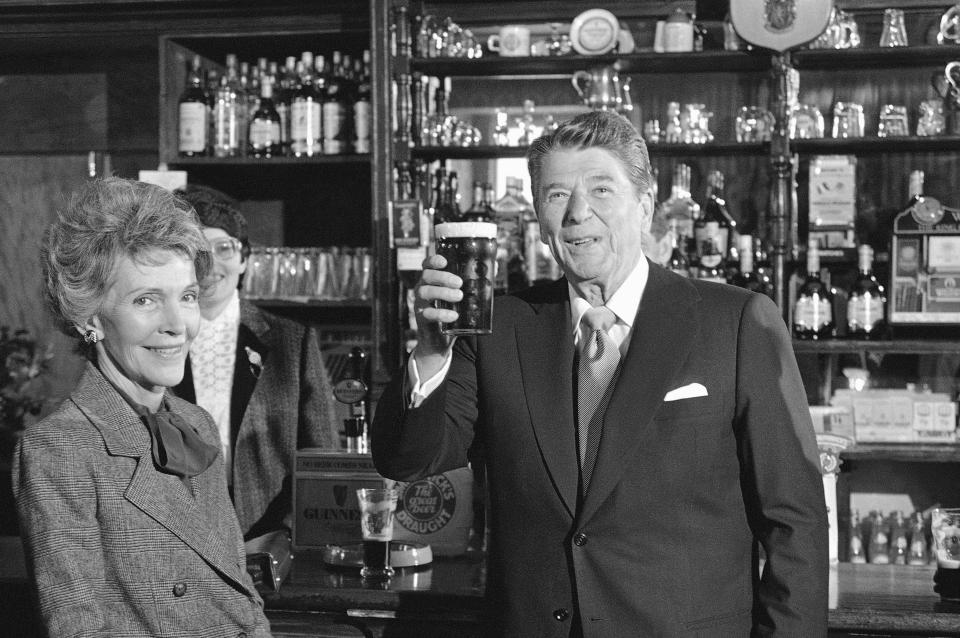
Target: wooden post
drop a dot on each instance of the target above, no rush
(781, 191)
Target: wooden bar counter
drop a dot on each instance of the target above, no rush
(445, 599)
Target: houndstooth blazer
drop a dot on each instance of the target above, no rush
(115, 547)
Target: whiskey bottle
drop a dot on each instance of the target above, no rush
(918, 554)
(715, 212)
(194, 114)
(855, 551)
(306, 137)
(746, 276)
(678, 262)
(264, 136)
(479, 210)
(710, 262)
(288, 82)
(879, 544)
(511, 212)
(813, 311)
(681, 206)
(866, 301)
(762, 266)
(898, 539)
(336, 106)
(361, 108)
(229, 113)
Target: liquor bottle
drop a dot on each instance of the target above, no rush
(229, 113)
(479, 211)
(898, 539)
(336, 106)
(194, 114)
(710, 263)
(866, 301)
(264, 136)
(678, 262)
(511, 212)
(813, 311)
(306, 137)
(445, 197)
(915, 189)
(714, 212)
(681, 206)
(501, 129)
(288, 82)
(362, 109)
(878, 545)
(762, 266)
(918, 554)
(855, 552)
(746, 276)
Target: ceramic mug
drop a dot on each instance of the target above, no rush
(512, 41)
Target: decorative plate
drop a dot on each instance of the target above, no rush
(594, 32)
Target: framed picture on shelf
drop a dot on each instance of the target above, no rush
(405, 223)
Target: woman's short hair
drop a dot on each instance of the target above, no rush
(106, 220)
(596, 129)
(216, 209)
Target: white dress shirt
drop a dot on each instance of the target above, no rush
(624, 303)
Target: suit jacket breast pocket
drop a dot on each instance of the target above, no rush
(692, 408)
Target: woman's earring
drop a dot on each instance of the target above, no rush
(90, 336)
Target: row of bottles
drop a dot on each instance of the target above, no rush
(522, 259)
(813, 311)
(889, 541)
(306, 107)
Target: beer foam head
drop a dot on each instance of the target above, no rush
(485, 230)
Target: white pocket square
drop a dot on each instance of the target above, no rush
(686, 392)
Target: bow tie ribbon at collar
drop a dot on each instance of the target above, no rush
(176, 446)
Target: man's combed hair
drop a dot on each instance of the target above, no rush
(106, 220)
(596, 129)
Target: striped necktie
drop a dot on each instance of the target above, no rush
(598, 361)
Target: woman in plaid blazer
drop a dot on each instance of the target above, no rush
(123, 505)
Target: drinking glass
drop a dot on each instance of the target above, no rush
(945, 526)
(470, 249)
(377, 509)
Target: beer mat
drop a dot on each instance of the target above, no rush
(402, 554)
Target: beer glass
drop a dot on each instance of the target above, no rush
(470, 249)
(945, 526)
(377, 507)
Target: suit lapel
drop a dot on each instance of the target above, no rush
(659, 345)
(545, 347)
(254, 341)
(194, 519)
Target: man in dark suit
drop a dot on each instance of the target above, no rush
(260, 376)
(646, 518)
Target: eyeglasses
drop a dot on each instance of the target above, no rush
(225, 248)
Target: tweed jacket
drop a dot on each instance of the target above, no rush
(281, 401)
(707, 453)
(115, 547)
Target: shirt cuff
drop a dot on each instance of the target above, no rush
(420, 390)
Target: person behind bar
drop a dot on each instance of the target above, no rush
(121, 495)
(636, 506)
(261, 376)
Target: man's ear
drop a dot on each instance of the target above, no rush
(646, 206)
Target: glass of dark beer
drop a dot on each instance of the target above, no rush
(945, 526)
(377, 507)
(470, 249)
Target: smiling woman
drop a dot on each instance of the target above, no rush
(123, 504)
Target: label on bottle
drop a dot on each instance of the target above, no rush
(864, 312)
(264, 133)
(193, 127)
(305, 132)
(361, 127)
(334, 120)
(812, 313)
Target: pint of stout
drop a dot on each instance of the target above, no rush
(945, 526)
(377, 507)
(470, 249)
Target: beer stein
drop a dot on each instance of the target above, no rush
(754, 124)
(599, 88)
(950, 26)
(893, 121)
(847, 120)
(894, 30)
